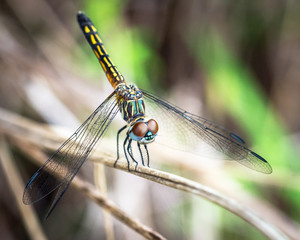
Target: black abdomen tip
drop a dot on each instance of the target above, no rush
(82, 18)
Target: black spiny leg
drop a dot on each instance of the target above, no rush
(118, 135)
(124, 148)
(148, 160)
(139, 147)
(129, 150)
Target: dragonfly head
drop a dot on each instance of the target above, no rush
(143, 131)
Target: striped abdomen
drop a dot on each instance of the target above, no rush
(90, 32)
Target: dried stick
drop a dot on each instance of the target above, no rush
(101, 186)
(16, 185)
(17, 128)
(90, 191)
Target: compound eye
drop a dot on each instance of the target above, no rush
(153, 126)
(139, 129)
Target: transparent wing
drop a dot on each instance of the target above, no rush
(185, 131)
(70, 156)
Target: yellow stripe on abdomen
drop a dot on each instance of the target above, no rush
(90, 32)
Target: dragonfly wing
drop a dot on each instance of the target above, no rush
(217, 128)
(68, 159)
(185, 131)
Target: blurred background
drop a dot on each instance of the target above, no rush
(236, 63)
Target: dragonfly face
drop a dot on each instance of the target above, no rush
(143, 132)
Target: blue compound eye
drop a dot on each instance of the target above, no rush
(139, 129)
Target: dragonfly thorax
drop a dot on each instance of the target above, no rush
(143, 131)
(128, 91)
(131, 102)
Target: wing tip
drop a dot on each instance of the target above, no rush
(268, 169)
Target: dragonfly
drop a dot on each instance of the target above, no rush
(147, 118)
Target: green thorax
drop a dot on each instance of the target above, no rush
(131, 102)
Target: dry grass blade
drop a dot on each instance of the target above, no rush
(23, 129)
(16, 185)
(210, 194)
(89, 190)
(101, 186)
(109, 206)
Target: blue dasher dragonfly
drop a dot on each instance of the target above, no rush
(164, 120)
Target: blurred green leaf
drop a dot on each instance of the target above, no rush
(242, 98)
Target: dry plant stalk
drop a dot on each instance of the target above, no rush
(23, 129)
(90, 191)
(101, 186)
(16, 184)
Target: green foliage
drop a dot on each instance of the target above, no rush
(242, 98)
(234, 229)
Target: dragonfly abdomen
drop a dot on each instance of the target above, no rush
(93, 38)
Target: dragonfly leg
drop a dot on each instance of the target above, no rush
(139, 147)
(118, 135)
(129, 150)
(148, 160)
(124, 148)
